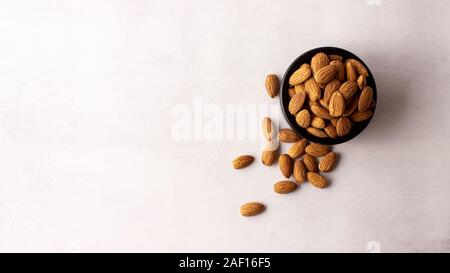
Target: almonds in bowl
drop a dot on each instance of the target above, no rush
(328, 95)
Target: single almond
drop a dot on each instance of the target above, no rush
(284, 187)
(330, 130)
(327, 162)
(310, 163)
(318, 61)
(269, 154)
(272, 85)
(351, 72)
(313, 89)
(337, 104)
(316, 132)
(334, 57)
(252, 208)
(365, 99)
(361, 116)
(360, 68)
(351, 106)
(243, 161)
(317, 180)
(320, 112)
(340, 69)
(288, 136)
(296, 103)
(317, 122)
(325, 74)
(299, 172)
(300, 75)
(361, 82)
(348, 89)
(303, 118)
(285, 163)
(343, 126)
(267, 129)
(297, 149)
(317, 150)
(329, 90)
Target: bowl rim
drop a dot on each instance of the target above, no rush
(284, 95)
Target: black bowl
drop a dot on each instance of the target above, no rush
(284, 96)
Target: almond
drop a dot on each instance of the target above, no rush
(317, 150)
(361, 82)
(299, 88)
(310, 163)
(284, 187)
(351, 107)
(360, 68)
(313, 103)
(291, 92)
(328, 162)
(330, 130)
(318, 61)
(272, 85)
(317, 180)
(243, 161)
(320, 112)
(323, 103)
(334, 57)
(348, 89)
(252, 208)
(313, 89)
(365, 99)
(351, 72)
(329, 90)
(285, 163)
(300, 75)
(316, 132)
(343, 126)
(303, 118)
(340, 70)
(317, 122)
(297, 149)
(361, 116)
(296, 103)
(337, 104)
(288, 136)
(299, 172)
(267, 129)
(334, 121)
(325, 74)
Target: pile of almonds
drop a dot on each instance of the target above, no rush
(329, 95)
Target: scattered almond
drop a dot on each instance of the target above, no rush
(252, 208)
(299, 172)
(272, 85)
(328, 162)
(317, 150)
(297, 149)
(284, 187)
(288, 136)
(317, 180)
(243, 161)
(267, 129)
(310, 163)
(285, 163)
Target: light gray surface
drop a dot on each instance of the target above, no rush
(88, 160)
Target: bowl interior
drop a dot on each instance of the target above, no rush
(284, 96)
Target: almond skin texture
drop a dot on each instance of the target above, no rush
(299, 88)
(313, 89)
(285, 163)
(288, 136)
(325, 74)
(361, 116)
(272, 85)
(243, 161)
(340, 70)
(351, 72)
(334, 121)
(300, 75)
(328, 162)
(330, 130)
(317, 150)
(365, 100)
(351, 107)
(343, 126)
(316, 132)
(310, 163)
(334, 57)
(337, 104)
(318, 61)
(317, 122)
(329, 90)
(361, 82)
(299, 172)
(296, 103)
(291, 92)
(267, 129)
(348, 89)
(303, 118)
(284, 187)
(268, 157)
(252, 208)
(317, 180)
(323, 103)
(320, 112)
(360, 68)
(297, 149)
